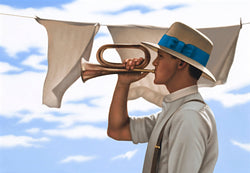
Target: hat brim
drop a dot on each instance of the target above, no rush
(206, 73)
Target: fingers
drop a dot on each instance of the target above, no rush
(132, 62)
(128, 78)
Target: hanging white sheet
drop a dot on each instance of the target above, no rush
(68, 42)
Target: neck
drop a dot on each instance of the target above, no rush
(180, 83)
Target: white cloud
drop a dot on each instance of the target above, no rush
(243, 146)
(33, 130)
(24, 92)
(77, 158)
(226, 98)
(20, 92)
(34, 61)
(10, 141)
(128, 155)
(78, 132)
(6, 67)
(19, 34)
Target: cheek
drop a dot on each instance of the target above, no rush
(161, 74)
(164, 73)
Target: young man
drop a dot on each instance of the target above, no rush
(189, 137)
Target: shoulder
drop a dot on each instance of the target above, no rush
(193, 118)
(194, 111)
(187, 117)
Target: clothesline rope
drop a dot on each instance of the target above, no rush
(15, 15)
(30, 17)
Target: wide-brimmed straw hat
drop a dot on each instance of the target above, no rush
(187, 44)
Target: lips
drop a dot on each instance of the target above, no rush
(155, 70)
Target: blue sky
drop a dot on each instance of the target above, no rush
(35, 138)
(35, 3)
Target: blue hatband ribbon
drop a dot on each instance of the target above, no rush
(188, 50)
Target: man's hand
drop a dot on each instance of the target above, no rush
(128, 78)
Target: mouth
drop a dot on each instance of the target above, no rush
(155, 70)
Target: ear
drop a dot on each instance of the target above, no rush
(181, 64)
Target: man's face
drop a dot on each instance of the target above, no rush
(165, 68)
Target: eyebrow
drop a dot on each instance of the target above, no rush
(161, 52)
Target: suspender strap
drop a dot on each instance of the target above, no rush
(157, 151)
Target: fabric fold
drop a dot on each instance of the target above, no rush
(68, 42)
(220, 61)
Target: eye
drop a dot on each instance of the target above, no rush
(160, 56)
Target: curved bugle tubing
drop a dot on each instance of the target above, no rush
(105, 68)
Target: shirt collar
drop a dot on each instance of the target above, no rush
(181, 93)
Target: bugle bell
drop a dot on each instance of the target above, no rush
(104, 68)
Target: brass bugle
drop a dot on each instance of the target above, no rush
(94, 70)
(90, 71)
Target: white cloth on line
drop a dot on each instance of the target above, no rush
(220, 61)
(68, 42)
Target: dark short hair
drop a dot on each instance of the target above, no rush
(194, 72)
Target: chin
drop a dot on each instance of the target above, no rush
(157, 82)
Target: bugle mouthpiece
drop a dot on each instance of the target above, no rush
(144, 70)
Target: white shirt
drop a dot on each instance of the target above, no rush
(189, 142)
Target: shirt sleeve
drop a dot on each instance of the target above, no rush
(141, 128)
(187, 142)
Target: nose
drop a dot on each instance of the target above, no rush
(155, 62)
